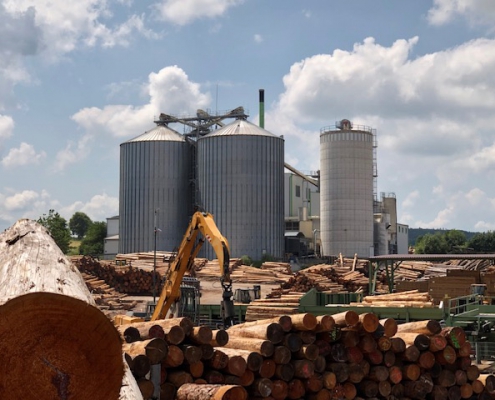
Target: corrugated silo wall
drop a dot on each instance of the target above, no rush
(241, 182)
(153, 175)
(346, 164)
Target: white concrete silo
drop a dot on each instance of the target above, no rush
(347, 189)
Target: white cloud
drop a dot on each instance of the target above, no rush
(24, 155)
(98, 208)
(32, 204)
(306, 13)
(21, 201)
(411, 199)
(6, 127)
(258, 38)
(376, 80)
(445, 97)
(476, 11)
(182, 12)
(73, 153)
(168, 90)
(66, 25)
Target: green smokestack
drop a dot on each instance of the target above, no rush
(262, 108)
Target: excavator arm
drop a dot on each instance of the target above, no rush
(202, 227)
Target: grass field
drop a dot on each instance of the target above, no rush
(74, 247)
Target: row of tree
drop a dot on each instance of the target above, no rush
(91, 234)
(455, 242)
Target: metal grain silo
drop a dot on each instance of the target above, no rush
(347, 189)
(241, 182)
(154, 190)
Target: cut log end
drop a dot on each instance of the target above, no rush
(65, 354)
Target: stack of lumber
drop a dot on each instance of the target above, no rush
(470, 265)
(283, 268)
(341, 356)
(286, 303)
(450, 287)
(243, 273)
(146, 260)
(411, 270)
(412, 298)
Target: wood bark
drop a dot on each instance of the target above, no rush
(192, 391)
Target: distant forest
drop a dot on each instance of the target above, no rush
(414, 233)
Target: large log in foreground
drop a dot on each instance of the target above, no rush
(55, 344)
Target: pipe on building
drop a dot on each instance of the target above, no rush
(262, 108)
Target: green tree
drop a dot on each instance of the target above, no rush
(456, 241)
(94, 241)
(431, 244)
(57, 226)
(483, 242)
(79, 224)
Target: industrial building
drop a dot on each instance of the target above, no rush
(236, 172)
(154, 190)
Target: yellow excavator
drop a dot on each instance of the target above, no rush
(202, 227)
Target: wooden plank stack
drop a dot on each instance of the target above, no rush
(412, 298)
(268, 273)
(286, 303)
(329, 357)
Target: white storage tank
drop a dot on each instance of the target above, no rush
(347, 177)
(155, 170)
(241, 182)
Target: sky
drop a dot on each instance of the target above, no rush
(77, 79)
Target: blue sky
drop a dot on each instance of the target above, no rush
(79, 78)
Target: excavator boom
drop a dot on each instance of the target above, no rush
(202, 227)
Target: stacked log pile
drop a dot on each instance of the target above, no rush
(326, 278)
(167, 355)
(341, 356)
(105, 297)
(123, 279)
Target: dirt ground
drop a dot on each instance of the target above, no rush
(211, 293)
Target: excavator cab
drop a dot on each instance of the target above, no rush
(188, 304)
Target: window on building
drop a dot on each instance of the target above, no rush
(291, 225)
(298, 191)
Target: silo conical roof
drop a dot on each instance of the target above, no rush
(241, 127)
(159, 133)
